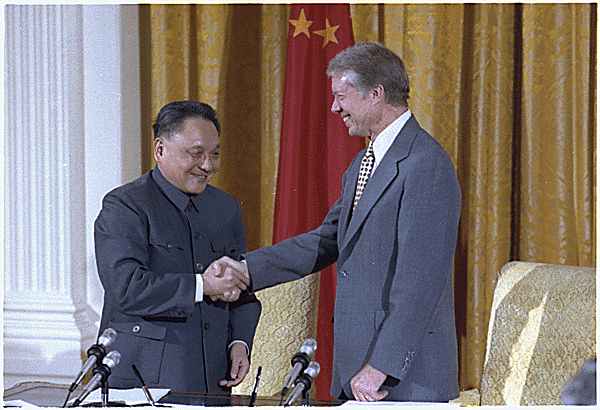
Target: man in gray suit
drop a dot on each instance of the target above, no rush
(392, 232)
(154, 237)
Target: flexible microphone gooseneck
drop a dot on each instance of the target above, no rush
(95, 354)
(300, 362)
(304, 382)
(101, 373)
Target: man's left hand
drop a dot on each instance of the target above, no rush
(227, 267)
(239, 365)
(365, 385)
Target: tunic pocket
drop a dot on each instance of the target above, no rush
(223, 247)
(140, 343)
(166, 256)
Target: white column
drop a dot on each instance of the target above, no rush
(112, 114)
(70, 135)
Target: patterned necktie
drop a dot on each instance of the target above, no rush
(366, 165)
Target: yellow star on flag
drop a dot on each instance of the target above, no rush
(328, 33)
(301, 25)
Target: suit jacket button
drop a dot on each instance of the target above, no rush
(199, 267)
(206, 326)
(343, 274)
(136, 329)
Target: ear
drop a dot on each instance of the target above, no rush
(159, 149)
(378, 94)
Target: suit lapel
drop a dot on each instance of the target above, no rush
(348, 194)
(382, 177)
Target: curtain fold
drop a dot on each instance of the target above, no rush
(556, 70)
(484, 240)
(508, 89)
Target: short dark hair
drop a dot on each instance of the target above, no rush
(371, 64)
(171, 117)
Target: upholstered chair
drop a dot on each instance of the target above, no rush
(542, 330)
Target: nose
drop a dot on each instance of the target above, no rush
(207, 163)
(335, 107)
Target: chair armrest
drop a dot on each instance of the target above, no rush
(468, 398)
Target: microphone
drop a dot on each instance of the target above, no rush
(95, 353)
(300, 362)
(100, 374)
(304, 382)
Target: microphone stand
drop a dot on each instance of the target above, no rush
(104, 393)
(96, 350)
(104, 371)
(104, 401)
(305, 398)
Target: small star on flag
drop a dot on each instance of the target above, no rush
(328, 33)
(301, 25)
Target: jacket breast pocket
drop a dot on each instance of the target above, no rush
(140, 343)
(164, 254)
(165, 245)
(224, 247)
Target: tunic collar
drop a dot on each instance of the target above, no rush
(175, 195)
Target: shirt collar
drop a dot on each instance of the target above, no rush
(384, 140)
(175, 195)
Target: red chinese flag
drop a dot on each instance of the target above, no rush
(315, 147)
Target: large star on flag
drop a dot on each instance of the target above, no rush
(328, 34)
(301, 25)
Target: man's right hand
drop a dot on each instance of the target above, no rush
(225, 279)
(222, 282)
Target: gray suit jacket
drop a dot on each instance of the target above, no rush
(151, 239)
(394, 306)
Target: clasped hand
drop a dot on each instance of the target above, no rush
(225, 279)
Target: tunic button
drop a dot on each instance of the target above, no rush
(199, 267)
(189, 207)
(206, 326)
(196, 235)
(136, 329)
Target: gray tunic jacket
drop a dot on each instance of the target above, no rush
(151, 239)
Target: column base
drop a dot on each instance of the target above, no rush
(45, 338)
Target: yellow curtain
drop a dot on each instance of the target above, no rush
(508, 89)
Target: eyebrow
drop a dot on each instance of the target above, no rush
(344, 91)
(203, 147)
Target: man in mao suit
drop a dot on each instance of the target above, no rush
(394, 329)
(154, 238)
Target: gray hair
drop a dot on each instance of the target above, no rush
(370, 64)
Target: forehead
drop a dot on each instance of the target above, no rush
(341, 85)
(197, 132)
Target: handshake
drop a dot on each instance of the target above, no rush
(225, 279)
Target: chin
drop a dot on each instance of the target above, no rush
(356, 134)
(196, 190)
